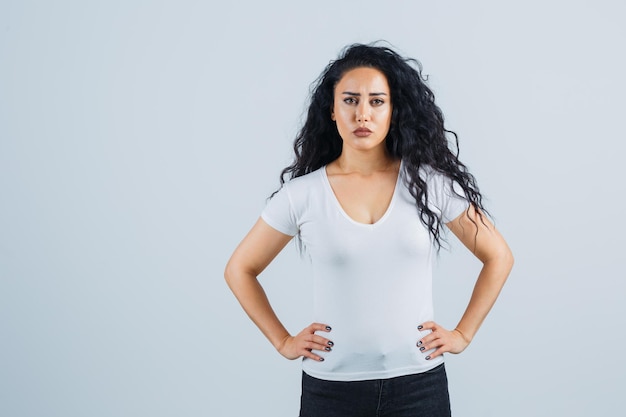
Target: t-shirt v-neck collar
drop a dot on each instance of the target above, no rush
(388, 211)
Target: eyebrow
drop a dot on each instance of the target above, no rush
(349, 93)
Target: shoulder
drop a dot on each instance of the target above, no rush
(305, 182)
(426, 173)
(439, 185)
(298, 192)
(434, 177)
(288, 206)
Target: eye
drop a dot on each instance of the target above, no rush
(378, 102)
(350, 100)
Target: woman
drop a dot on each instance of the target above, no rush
(371, 188)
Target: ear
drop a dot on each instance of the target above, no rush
(332, 114)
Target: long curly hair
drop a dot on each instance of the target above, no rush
(416, 135)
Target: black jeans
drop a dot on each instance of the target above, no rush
(424, 394)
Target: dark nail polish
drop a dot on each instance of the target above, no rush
(330, 343)
(422, 348)
(327, 349)
(420, 327)
(328, 328)
(321, 359)
(427, 358)
(419, 343)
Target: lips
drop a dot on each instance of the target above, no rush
(362, 132)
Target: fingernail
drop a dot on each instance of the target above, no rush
(321, 359)
(427, 358)
(420, 327)
(419, 343)
(330, 343)
(422, 348)
(327, 349)
(328, 328)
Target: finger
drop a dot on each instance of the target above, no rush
(307, 352)
(429, 339)
(323, 342)
(437, 352)
(319, 327)
(429, 325)
(311, 355)
(310, 345)
(429, 346)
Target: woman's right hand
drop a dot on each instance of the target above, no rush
(305, 342)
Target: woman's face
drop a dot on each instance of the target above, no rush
(362, 108)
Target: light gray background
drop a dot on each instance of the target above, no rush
(139, 140)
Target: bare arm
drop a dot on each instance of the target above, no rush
(255, 252)
(488, 245)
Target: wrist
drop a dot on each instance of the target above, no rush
(467, 339)
(280, 344)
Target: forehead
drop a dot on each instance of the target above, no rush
(363, 78)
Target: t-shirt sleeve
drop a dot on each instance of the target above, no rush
(448, 197)
(279, 213)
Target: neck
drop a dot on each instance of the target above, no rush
(364, 163)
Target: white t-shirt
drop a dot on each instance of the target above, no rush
(372, 282)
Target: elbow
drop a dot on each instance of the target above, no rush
(507, 260)
(229, 274)
(237, 274)
(510, 261)
(501, 261)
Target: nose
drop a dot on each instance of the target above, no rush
(363, 113)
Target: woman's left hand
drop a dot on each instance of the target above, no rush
(441, 340)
